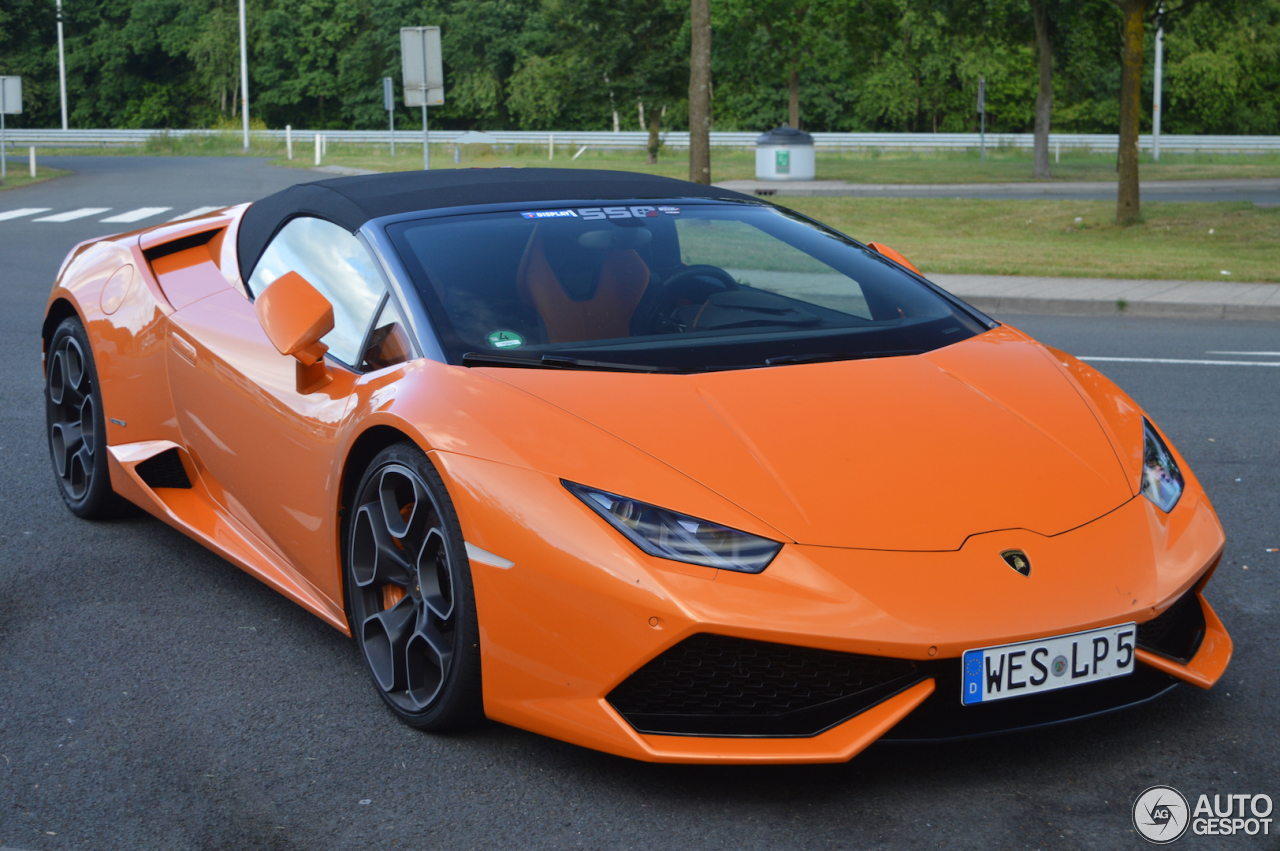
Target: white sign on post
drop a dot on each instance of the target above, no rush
(10, 104)
(421, 66)
(423, 74)
(11, 95)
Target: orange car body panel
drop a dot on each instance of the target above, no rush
(891, 536)
(893, 255)
(901, 437)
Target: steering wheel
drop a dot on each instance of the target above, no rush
(687, 283)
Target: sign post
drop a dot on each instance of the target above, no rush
(1156, 93)
(982, 117)
(244, 78)
(389, 104)
(62, 68)
(10, 104)
(423, 75)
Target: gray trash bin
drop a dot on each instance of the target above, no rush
(784, 153)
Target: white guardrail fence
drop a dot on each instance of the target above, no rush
(1095, 142)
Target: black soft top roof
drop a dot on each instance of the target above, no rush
(352, 201)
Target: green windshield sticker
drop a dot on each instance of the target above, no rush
(505, 339)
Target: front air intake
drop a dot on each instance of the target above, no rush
(714, 685)
(1177, 632)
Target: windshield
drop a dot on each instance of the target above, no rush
(665, 286)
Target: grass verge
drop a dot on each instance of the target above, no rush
(870, 166)
(1187, 241)
(22, 177)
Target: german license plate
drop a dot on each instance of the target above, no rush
(1014, 670)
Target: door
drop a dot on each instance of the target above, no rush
(267, 450)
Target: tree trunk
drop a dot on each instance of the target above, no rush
(793, 90)
(654, 143)
(1128, 204)
(613, 106)
(1044, 97)
(700, 92)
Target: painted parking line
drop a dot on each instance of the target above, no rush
(138, 214)
(72, 215)
(25, 211)
(191, 214)
(1092, 358)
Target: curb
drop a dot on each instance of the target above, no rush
(1098, 307)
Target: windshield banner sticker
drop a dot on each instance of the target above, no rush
(551, 214)
(625, 212)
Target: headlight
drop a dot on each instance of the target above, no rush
(679, 537)
(1161, 478)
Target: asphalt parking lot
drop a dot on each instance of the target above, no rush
(154, 696)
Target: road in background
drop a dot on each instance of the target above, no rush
(153, 696)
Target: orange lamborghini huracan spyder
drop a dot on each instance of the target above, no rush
(651, 467)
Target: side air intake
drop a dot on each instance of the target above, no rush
(164, 471)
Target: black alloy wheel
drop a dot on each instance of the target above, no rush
(410, 598)
(77, 425)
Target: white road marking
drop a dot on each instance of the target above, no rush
(198, 211)
(1258, 354)
(73, 214)
(138, 214)
(25, 211)
(1182, 361)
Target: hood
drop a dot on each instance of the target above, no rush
(902, 453)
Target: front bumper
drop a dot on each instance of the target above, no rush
(581, 611)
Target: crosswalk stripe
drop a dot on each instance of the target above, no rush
(191, 214)
(25, 211)
(138, 214)
(73, 214)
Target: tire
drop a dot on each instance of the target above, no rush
(76, 425)
(410, 600)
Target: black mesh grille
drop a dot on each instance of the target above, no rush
(164, 471)
(1178, 632)
(713, 685)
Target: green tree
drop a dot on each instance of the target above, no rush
(548, 64)
(642, 46)
(1222, 68)
(215, 54)
(1134, 15)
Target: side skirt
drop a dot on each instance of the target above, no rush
(194, 512)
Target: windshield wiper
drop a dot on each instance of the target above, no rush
(817, 357)
(559, 362)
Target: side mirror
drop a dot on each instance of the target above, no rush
(880, 248)
(295, 316)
